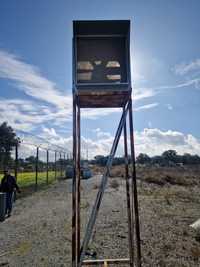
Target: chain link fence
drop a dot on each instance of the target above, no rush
(35, 162)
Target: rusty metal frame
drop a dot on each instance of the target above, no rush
(78, 249)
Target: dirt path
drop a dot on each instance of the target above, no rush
(39, 231)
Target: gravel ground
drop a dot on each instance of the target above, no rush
(39, 231)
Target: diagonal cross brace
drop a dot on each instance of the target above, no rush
(100, 193)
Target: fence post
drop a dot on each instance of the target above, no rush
(60, 165)
(55, 165)
(64, 163)
(47, 168)
(36, 168)
(16, 161)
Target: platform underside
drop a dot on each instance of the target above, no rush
(102, 99)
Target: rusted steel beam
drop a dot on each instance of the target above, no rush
(47, 168)
(100, 193)
(74, 237)
(36, 168)
(78, 182)
(128, 201)
(55, 165)
(60, 164)
(134, 183)
(108, 261)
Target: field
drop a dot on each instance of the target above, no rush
(169, 201)
(27, 180)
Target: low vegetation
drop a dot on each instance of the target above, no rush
(114, 184)
(27, 181)
(179, 175)
(28, 178)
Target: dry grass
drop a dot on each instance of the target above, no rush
(195, 252)
(154, 180)
(182, 176)
(114, 184)
(96, 186)
(161, 176)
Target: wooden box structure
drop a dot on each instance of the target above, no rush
(101, 78)
(101, 63)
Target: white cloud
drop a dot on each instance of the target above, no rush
(148, 106)
(185, 68)
(28, 115)
(150, 141)
(95, 113)
(169, 106)
(101, 134)
(29, 79)
(141, 93)
(22, 114)
(50, 132)
(155, 141)
(56, 110)
(195, 82)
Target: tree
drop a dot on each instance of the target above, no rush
(31, 160)
(157, 160)
(189, 159)
(8, 140)
(170, 156)
(143, 159)
(101, 160)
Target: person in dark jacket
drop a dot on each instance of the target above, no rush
(8, 185)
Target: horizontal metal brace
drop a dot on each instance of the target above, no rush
(102, 261)
(100, 35)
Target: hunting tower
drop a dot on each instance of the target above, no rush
(102, 79)
(101, 63)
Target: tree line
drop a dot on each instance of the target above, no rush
(167, 158)
(8, 140)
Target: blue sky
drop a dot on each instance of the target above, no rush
(35, 72)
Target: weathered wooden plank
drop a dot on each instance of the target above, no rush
(100, 100)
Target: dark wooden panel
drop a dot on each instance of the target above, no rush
(103, 99)
(98, 54)
(101, 27)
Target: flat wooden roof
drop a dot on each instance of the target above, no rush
(101, 27)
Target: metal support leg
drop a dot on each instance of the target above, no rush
(55, 165)
(130, 228)
(47, 168)
(74, 237)
(36, 168)
(78, 182)
(134, 184)
(60, 165)
(99, 197)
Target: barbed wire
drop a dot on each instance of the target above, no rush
(28, 138)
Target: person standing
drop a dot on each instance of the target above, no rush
(8, 185)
